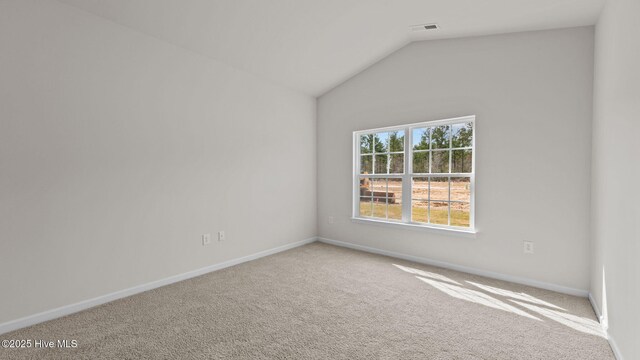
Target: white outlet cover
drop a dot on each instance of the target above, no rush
(206, 239)
(331, 220)
(528, 247)
(221, 236)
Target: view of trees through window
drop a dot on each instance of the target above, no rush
(438, 178)
(382, 153)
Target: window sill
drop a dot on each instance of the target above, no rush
(471, 233)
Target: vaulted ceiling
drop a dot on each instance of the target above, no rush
(313, 45)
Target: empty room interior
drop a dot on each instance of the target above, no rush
(320, 179)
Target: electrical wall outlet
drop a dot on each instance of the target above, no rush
(331, 220)
(206, 239)
(221, 236)
(528, 247)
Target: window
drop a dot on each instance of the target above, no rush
(419, 174)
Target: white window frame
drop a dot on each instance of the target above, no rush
(408, 174)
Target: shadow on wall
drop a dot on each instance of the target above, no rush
(524, 305)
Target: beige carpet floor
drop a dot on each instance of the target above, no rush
(324, 302)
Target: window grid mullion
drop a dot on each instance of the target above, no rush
(429, 200)
(406, 178)
(450, 151)
(373, 160)
(449, 202)
(449, 179)
(430, 150)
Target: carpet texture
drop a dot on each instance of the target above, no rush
(324, 302)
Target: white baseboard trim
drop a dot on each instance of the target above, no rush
(595, 307)
(470, 270)
(614, 347)
(612, 342)
(83, 305)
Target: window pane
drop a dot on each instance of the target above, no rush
(381, 142)
(462, 135)
(421, 162)
(460, 214)
(394, 207)
(396, 165)
(440, 137)
(381, 164)
(460, 189)
(420, 189)
(461, 161)
(396, 141)
(366, 164)
(439, 188)
(419, 210)
(380, 208)
(365, 206)
(366, 144)
(420, 139)
(379, 187)
(365, 187)
(440, 161)
(394, 189)
(420, 182)
(439, 212)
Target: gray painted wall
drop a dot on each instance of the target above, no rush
(532, 95)
(118, 151)
(615, 271)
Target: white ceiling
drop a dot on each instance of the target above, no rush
(313, 45)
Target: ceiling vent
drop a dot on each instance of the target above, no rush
(424, 27)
